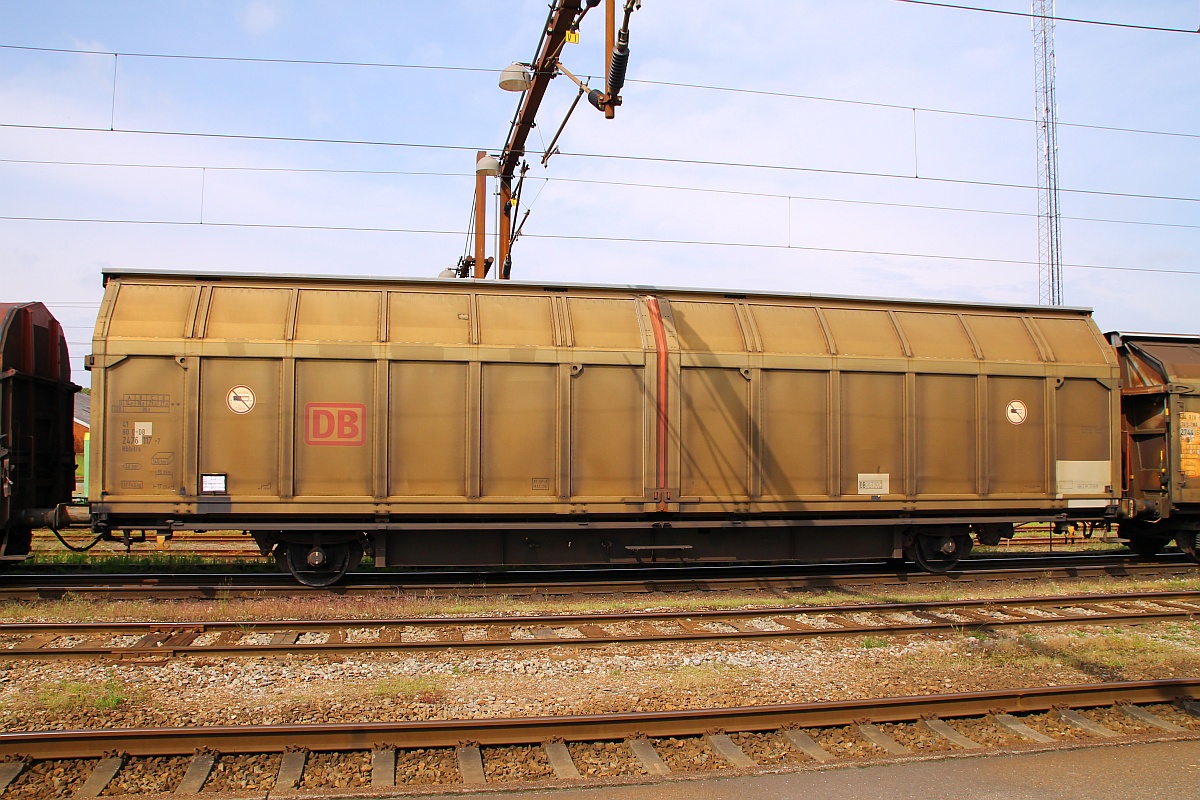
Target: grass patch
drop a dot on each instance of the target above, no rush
(1181, 633)
(709, 676)
(110, 563)
(871, 642)
(418, 688)
(1118, 652)
(1109, 654)
(1009, 651)
(75, 695)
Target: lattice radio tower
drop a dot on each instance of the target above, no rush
(1050, 280)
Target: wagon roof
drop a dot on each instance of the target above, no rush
(344, 280)
(1175, 356)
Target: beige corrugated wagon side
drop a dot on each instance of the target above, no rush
(461, 422)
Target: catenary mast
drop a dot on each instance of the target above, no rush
(1050, 280)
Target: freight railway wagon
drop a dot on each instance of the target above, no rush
(1160, 376)
(457, 422)
(37, 464)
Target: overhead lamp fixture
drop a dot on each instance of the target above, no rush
(515, 78)
(488, 165)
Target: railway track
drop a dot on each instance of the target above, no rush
(149, 640)
(639, 745)
(32, 584)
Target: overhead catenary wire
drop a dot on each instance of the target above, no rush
(241, 136)
(640, 81)
(1028, 15)
(245, 59)
(597, 238)
(907, 107)
(723, 164)
(546, 180)
(611, 156)
(866, 174)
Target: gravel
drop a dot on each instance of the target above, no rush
(1170, 713)
(845, 742)
(986, 732)
(50, 779)
(527, 763)
(918, 738)
(66, 642)
(1055, 728)
(236, 773)
(337, 770)
(1118, 721)
(425, 767)
(768, 749)
(560, 680)
(604, 759)
(148, 776)
(568, 679)
(688, 754)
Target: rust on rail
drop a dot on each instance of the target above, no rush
(592, 727)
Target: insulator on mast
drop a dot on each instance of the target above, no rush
(619, 64)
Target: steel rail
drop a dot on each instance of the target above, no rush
(93, 743)
(34, 586)
(173, 639)
(597, 616)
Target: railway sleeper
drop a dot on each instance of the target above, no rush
(163, 640)
(648, 753)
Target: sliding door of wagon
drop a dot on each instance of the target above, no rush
(947, 430)
(608, 458)
(428, 403)
(239, 425)
(144, 425)
(714, 412)
(334, 430)
(144, 396)
(1084, 453)
(714, 434)
(606, 433)
(427, 441)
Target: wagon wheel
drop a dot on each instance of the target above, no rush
(20, 542)
(331, 561)
(938, 554)
(1189, 543)
(1147, 546)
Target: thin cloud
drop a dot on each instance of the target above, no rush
(261, 17)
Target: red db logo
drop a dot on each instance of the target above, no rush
(335, 424)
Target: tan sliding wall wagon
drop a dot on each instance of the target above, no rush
(463, 422)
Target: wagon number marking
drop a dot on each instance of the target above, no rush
(240, 399)
(1016, 412)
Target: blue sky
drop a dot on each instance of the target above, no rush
(869, 85)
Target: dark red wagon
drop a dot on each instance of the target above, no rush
(37, 463)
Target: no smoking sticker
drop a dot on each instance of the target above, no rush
(240, 399)
(1016, 412)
